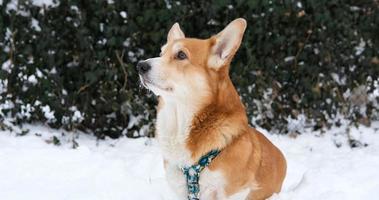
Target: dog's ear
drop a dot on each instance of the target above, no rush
(226, 43)
(175, 33)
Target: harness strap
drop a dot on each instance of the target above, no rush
(192, 174)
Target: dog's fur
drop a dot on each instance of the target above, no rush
(199, 110)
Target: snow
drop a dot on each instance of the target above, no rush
(14, 5)
(52, 3)
(3, 86)
(101, 26)
(32, 79)
(168, 4)
(126, 43)
(319, 170)
(75, 8)
(360, 48)
(53, 71)
(7, 66)
(296, 124)
(48, 113)
(78, 116)
(355, 8)
(289, 58)
(32, 167)
(35, 25)
(39, 73)
(123, 14)
(338, 79)
(299, 5)
(26, 111)
(8, 104)
(111, 169)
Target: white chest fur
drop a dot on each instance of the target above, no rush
(173, 126)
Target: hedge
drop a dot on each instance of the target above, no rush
(71, 64)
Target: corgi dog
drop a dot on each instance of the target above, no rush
(200, 110)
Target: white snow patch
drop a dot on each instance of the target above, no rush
(14, 5)
(6, 105)
(339, 80)
(110, 169)
(3, 86)
(32, 79)
(289, 58)
(213, 22)
(75, 8)
(39, 73)
(53, 71)
(47, 3)
(48, 113)
(77, 116)
(37, 103)
(168, 4)
(133, 120)
(35, 25)
(299, 5)
(316, 51)
(360, 48)
(133, 168)
(123, 14)
(319, 170)
(355, 8)
(296, 124)
(126, 43)
(101, 27)
(26, 111)
(7, 66)
(64, 92)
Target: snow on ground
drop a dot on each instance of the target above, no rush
(31, 167)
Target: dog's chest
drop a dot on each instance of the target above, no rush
(172, 131)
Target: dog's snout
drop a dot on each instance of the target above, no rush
(143, 67)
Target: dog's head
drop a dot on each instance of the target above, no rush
(188, 66)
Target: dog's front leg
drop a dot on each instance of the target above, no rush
(176, 180)
(211, 185)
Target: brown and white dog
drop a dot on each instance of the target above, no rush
(199, 110)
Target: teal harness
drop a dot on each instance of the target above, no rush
(192, 174)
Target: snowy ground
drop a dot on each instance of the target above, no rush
(31, 167)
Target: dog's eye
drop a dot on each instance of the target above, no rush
(181, 55)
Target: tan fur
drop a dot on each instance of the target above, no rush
(247, 159)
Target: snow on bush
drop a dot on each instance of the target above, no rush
(296, 68)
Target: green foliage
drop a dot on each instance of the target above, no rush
(72, 65)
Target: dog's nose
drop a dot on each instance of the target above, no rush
(143, 67)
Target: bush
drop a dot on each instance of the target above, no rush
(71, 64)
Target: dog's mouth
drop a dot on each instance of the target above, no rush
(143, 81)
(147, 83)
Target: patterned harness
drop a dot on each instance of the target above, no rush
(192, 174)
